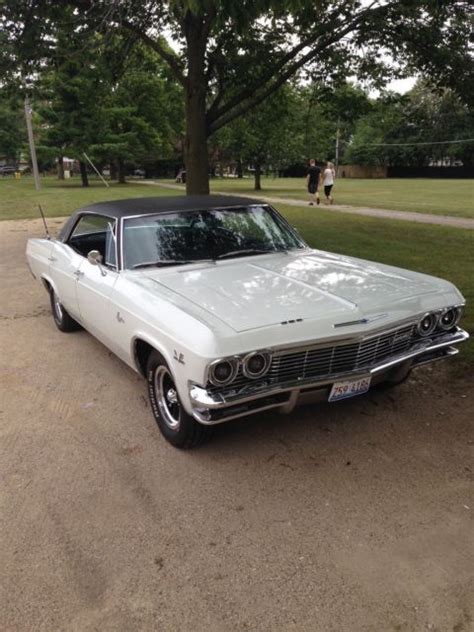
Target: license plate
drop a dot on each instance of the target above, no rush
(342, 390)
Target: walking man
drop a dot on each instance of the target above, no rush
(312, 180)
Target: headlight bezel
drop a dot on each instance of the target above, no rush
(434, 323)
(245, 364)
(234, 364)
(457, 310)
(437, 320)
(239, 364)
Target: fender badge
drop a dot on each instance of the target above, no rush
(179, 358)
(119, 318)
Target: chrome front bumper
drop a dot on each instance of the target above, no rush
(211, 408)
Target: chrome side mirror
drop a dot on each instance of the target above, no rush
(95, 258)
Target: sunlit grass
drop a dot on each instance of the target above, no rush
(428, 195)
(19, 199)
(439, 250)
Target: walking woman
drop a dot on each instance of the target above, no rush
(328, 181)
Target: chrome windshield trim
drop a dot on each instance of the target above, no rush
(302, 244)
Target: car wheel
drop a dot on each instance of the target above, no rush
(388, 384)
(63, 321)
(178, 428)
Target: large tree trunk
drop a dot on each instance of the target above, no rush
(84, 178)
(121, 171)
(258, 174)
(60, 168)
(240, 170)
(113, 170)
(195, 150)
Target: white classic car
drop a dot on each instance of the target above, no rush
(226, 311)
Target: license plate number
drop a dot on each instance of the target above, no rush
(342, 390)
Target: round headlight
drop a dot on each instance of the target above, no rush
(256, 365)
(427, 324)
(449, 318)
(222, 372)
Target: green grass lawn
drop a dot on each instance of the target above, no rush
(439, 250)
(19, 199)
(441, 197)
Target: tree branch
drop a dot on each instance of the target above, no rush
(215, 113)
(170, 58)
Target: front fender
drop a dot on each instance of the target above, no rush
(153, 342)
(184, 365)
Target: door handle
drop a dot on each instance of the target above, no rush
(78, 273)
(52, 259)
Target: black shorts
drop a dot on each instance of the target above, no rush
(328, 189)
(312, 188)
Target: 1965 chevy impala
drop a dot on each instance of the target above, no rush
(227, 312)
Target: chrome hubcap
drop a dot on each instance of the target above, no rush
(167, 397)
(58, 308)
(172, 396)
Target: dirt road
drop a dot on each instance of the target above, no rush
(354, 516)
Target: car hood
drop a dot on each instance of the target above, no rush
(265, 290)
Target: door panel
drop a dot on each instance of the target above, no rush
(94, 288)
(64, 267)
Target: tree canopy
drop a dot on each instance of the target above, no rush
(230, 57)
(414, 130)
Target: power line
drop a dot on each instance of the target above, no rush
(434, 142)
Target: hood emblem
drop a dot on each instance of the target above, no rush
(361, 321)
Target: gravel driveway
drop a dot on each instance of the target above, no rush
(351, 516)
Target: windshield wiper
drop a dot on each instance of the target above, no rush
(244, 253)
(163, 263)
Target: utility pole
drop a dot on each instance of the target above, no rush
(31, 142)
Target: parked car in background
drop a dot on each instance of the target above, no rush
(8, 170)
(226, 311)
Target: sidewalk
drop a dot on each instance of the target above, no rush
(407, 216)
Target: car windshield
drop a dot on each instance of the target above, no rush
(190, 236)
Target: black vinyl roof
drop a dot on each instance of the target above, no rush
(165, 204)
(152, 205)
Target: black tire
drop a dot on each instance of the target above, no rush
(61, 318)
(177, 427)
(389, 384)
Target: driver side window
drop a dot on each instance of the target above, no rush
(95, 232)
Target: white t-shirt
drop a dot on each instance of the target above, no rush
(328, 175)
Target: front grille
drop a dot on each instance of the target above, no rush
(323, 362)
(328, 361)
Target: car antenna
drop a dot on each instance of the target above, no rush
(44, 222)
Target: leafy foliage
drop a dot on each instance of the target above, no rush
(230, 57)
(12, 127)
(413, 130)
(112, 108)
